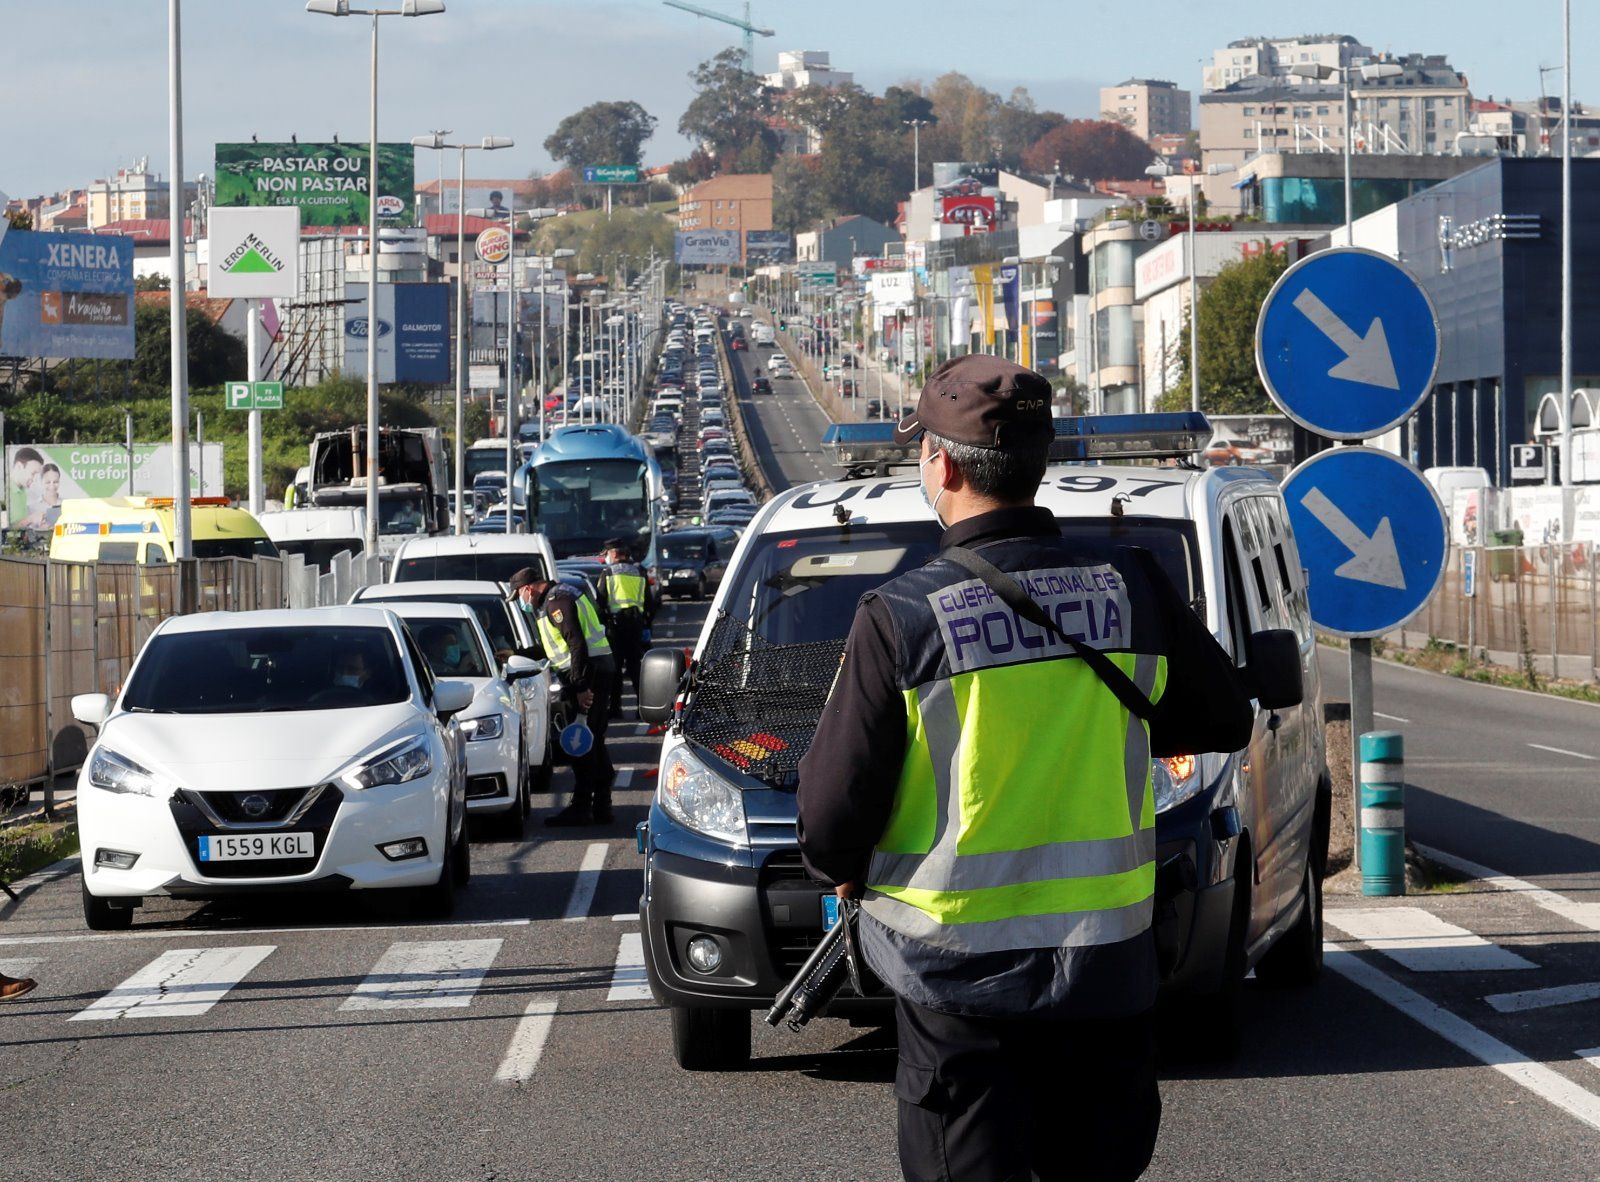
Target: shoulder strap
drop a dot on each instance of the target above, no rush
(1018, 600)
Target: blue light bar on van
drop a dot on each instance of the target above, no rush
(1084, 437)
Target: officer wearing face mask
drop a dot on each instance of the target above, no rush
(980, 779)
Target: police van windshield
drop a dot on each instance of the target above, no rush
(801, 588)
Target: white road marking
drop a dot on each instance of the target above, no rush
(1590, 1056)
(588, 877)
(1507, 1060)
(626, 917)
(1538, 999)
(22, 966)
(1391, 717)
(624, 779)
(1563, 751)
(1423, 942)
(425, 974)
(628, 979)
(1584, 915)
(527, 1043)
(199, 933)
(180, 983)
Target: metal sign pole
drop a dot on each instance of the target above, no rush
(252, 339)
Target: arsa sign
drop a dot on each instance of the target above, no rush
(390, 206)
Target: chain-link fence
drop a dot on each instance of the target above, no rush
(1534, 607)
(75, 628)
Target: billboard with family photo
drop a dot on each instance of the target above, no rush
(39, 476)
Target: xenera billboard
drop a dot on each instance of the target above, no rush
(39, 476)
(706, 247)
(66, 295)
(327, 181)
(412, 332)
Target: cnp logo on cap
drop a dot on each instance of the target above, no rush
(982, 401)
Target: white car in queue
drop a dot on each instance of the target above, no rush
(505, 733)
(270, 751)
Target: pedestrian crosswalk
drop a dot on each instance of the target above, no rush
(425, 974)
(180, 983)
(1423, 942)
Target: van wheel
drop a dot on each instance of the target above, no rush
(710, 1039)
(1295, 961)
(1204, 1028)
(101, 916)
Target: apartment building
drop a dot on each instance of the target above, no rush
(736, 202)
(1269, 57)
(129, 194)
(1148, 107)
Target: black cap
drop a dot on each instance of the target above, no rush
(526, 577)
(981, 401)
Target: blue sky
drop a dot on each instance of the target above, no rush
(91, 74)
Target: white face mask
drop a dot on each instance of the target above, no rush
(933, 504)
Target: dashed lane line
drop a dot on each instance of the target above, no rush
(1391, 717)
(588, 877)
(527, 1042)
(180, 983)
(1548, 1084)
(1422, 942)
(425, 974)
(628, 979)
(1563, 751)
(1539, 999)
(1584, 915)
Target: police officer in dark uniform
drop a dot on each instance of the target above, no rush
(575, 642)
(628, 597)
(980, 780)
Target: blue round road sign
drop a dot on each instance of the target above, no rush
(1347, 343)
(577, 740)
(1372, 536)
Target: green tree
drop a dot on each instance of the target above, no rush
(1229, 308)
(601, 133)
(215, 355)
(798, 201)
(730, 115)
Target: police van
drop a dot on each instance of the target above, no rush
(728, 911)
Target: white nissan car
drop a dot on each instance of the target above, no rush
(506, 731)
(257, 752)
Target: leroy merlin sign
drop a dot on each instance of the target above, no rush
(254, 253)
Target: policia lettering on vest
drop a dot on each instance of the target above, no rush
(627, 597)
(980, 779)
(576, 644)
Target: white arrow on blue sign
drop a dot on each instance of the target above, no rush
(1347, 343)
(1372, 535)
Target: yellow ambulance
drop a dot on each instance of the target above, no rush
(139, 529)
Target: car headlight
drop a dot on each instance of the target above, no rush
(1175, 779)
(406, 760)
(699, 799)
(490, 726)
(685, 574)
(117, 773)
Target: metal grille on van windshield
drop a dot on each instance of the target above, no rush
(757, 704)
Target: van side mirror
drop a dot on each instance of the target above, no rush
(1273, 668)
(660, 674)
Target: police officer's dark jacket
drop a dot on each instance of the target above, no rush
(989, 790)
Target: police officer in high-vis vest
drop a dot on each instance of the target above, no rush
(575, 643)
(980, 780)
(626, 595)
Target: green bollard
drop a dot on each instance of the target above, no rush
(1383, 813)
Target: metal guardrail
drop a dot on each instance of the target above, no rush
(749, 462)
(69, 628)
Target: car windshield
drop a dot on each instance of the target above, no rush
(234, 548)
(494, 615)
(682, 549)
(450, 646)
(252, 670)
(474, 566)
(401, 515)
(479, 460)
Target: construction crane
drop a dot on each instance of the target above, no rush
(750, 31)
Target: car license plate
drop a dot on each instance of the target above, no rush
(242, 847)
(830, 911)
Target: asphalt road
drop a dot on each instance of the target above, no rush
(785, 426)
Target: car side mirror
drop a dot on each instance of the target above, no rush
(91, 709)
(660, 674)
(1274, 668)
(451, 696)
(520, 668)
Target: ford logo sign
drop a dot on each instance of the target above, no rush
(356, 326)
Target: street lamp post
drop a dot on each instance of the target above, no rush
(182, 534)
(1163, 169)
(1566, 246)
(490, 143)
(512, 312)
(916, 126)
(342, 8)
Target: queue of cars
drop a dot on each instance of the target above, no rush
(336, 748)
